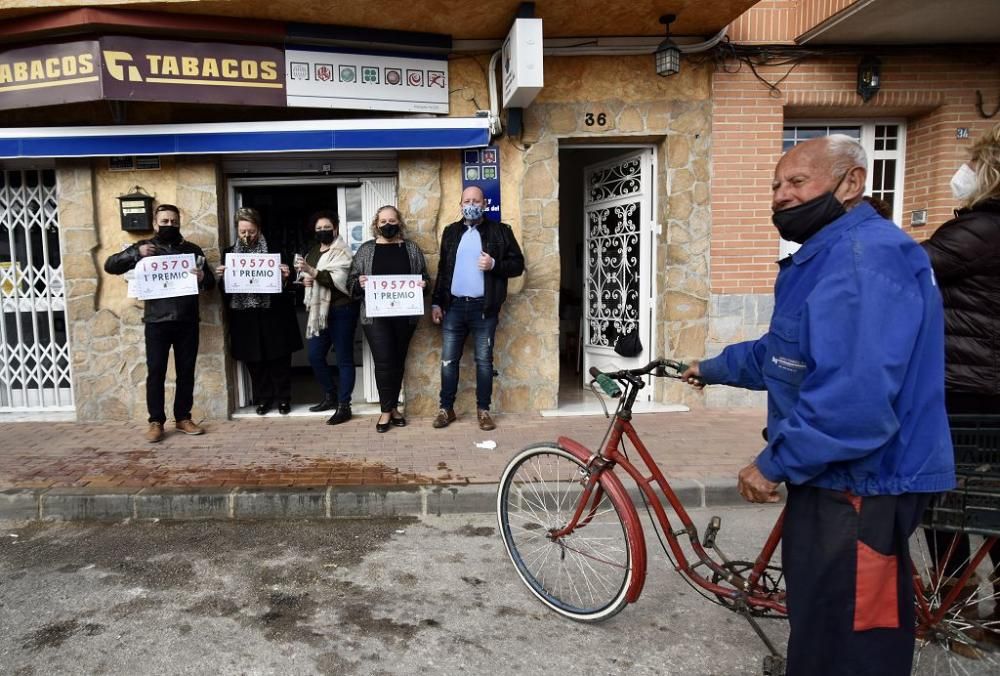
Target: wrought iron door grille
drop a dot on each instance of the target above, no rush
(613, 288)
(614, 217)
(34, 344)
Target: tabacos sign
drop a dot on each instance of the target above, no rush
(134, 69)
(161, 70)
(50, 75)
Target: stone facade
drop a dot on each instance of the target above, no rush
(106, 329)
(733, 318)
(636, 107)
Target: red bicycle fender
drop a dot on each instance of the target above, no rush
(612, 485)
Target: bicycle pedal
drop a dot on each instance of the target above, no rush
(711, 531)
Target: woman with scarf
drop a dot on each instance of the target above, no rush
(388, 337)
(263, 333)
(333, 314)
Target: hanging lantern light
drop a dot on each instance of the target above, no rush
(668, 55)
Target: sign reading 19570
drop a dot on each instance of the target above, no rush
(590, 119)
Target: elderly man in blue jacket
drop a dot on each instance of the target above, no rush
(853, 364)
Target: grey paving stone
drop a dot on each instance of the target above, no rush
(280, 503)
(76, 504)
(472, 499)
(19, 504)
(183, 503)
(376, 501)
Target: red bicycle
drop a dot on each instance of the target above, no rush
(574, 535)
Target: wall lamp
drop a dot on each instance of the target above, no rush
(869, 77)
(668, 56)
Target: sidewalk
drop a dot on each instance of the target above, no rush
(300, 467)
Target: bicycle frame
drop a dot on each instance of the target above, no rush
(743, 590)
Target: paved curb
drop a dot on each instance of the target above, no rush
(184, 503)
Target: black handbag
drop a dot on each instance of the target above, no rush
(629, 345)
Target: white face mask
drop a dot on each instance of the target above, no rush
(964, 183)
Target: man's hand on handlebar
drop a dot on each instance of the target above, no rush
(756, 487)
(692, 376)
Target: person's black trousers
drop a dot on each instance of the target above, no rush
(957, 556)
(183, 338)
(271, 379)
(850, 587)
(389, 341)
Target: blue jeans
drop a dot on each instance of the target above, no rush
(339, 332)
(465, 316)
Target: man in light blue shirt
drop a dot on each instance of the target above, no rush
(478, 256)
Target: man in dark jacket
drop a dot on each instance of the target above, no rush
(170, 322)
(478, 256)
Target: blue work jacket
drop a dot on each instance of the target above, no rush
(853, 364)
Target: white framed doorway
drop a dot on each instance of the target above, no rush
(607, 240)
(290, 200)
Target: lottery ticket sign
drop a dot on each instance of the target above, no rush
(394, 296)
(164, 277)
(253, 273)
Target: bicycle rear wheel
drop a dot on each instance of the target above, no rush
(965, 639)
(585, 574)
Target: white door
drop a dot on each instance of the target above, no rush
(375, 193)
(618, 221)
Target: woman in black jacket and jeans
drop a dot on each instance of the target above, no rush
(388, 337)
(965, 255)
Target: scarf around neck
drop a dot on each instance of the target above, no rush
(249, 301)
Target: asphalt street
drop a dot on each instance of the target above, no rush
(339, 597)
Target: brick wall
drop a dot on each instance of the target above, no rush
(934, 92)
(781, 21)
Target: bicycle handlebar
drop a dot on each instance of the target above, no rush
(658, 367)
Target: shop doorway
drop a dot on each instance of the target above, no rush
(285, 205)
(35, 375)
(607, 202)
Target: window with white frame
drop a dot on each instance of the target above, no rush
(883, 141)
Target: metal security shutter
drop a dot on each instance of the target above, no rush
(34, 344)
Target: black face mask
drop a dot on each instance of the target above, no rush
(168, 234)
(389, 230)
(797, 224)
(325, 236)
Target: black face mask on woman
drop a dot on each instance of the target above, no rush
(389, 230)
(799, 223)
(325, 236)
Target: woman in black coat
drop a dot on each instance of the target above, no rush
(263, 331)
(965, 255)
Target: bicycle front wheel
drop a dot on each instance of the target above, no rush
(584, 574)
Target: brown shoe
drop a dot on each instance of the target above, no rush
(444, 417)
(155, 432)
(485, 421)
(188, 427)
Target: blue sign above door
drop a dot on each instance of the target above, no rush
(482, 168)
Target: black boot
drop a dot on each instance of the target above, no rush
(342, 415)
(326, 405)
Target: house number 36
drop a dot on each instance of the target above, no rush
(600, 119)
